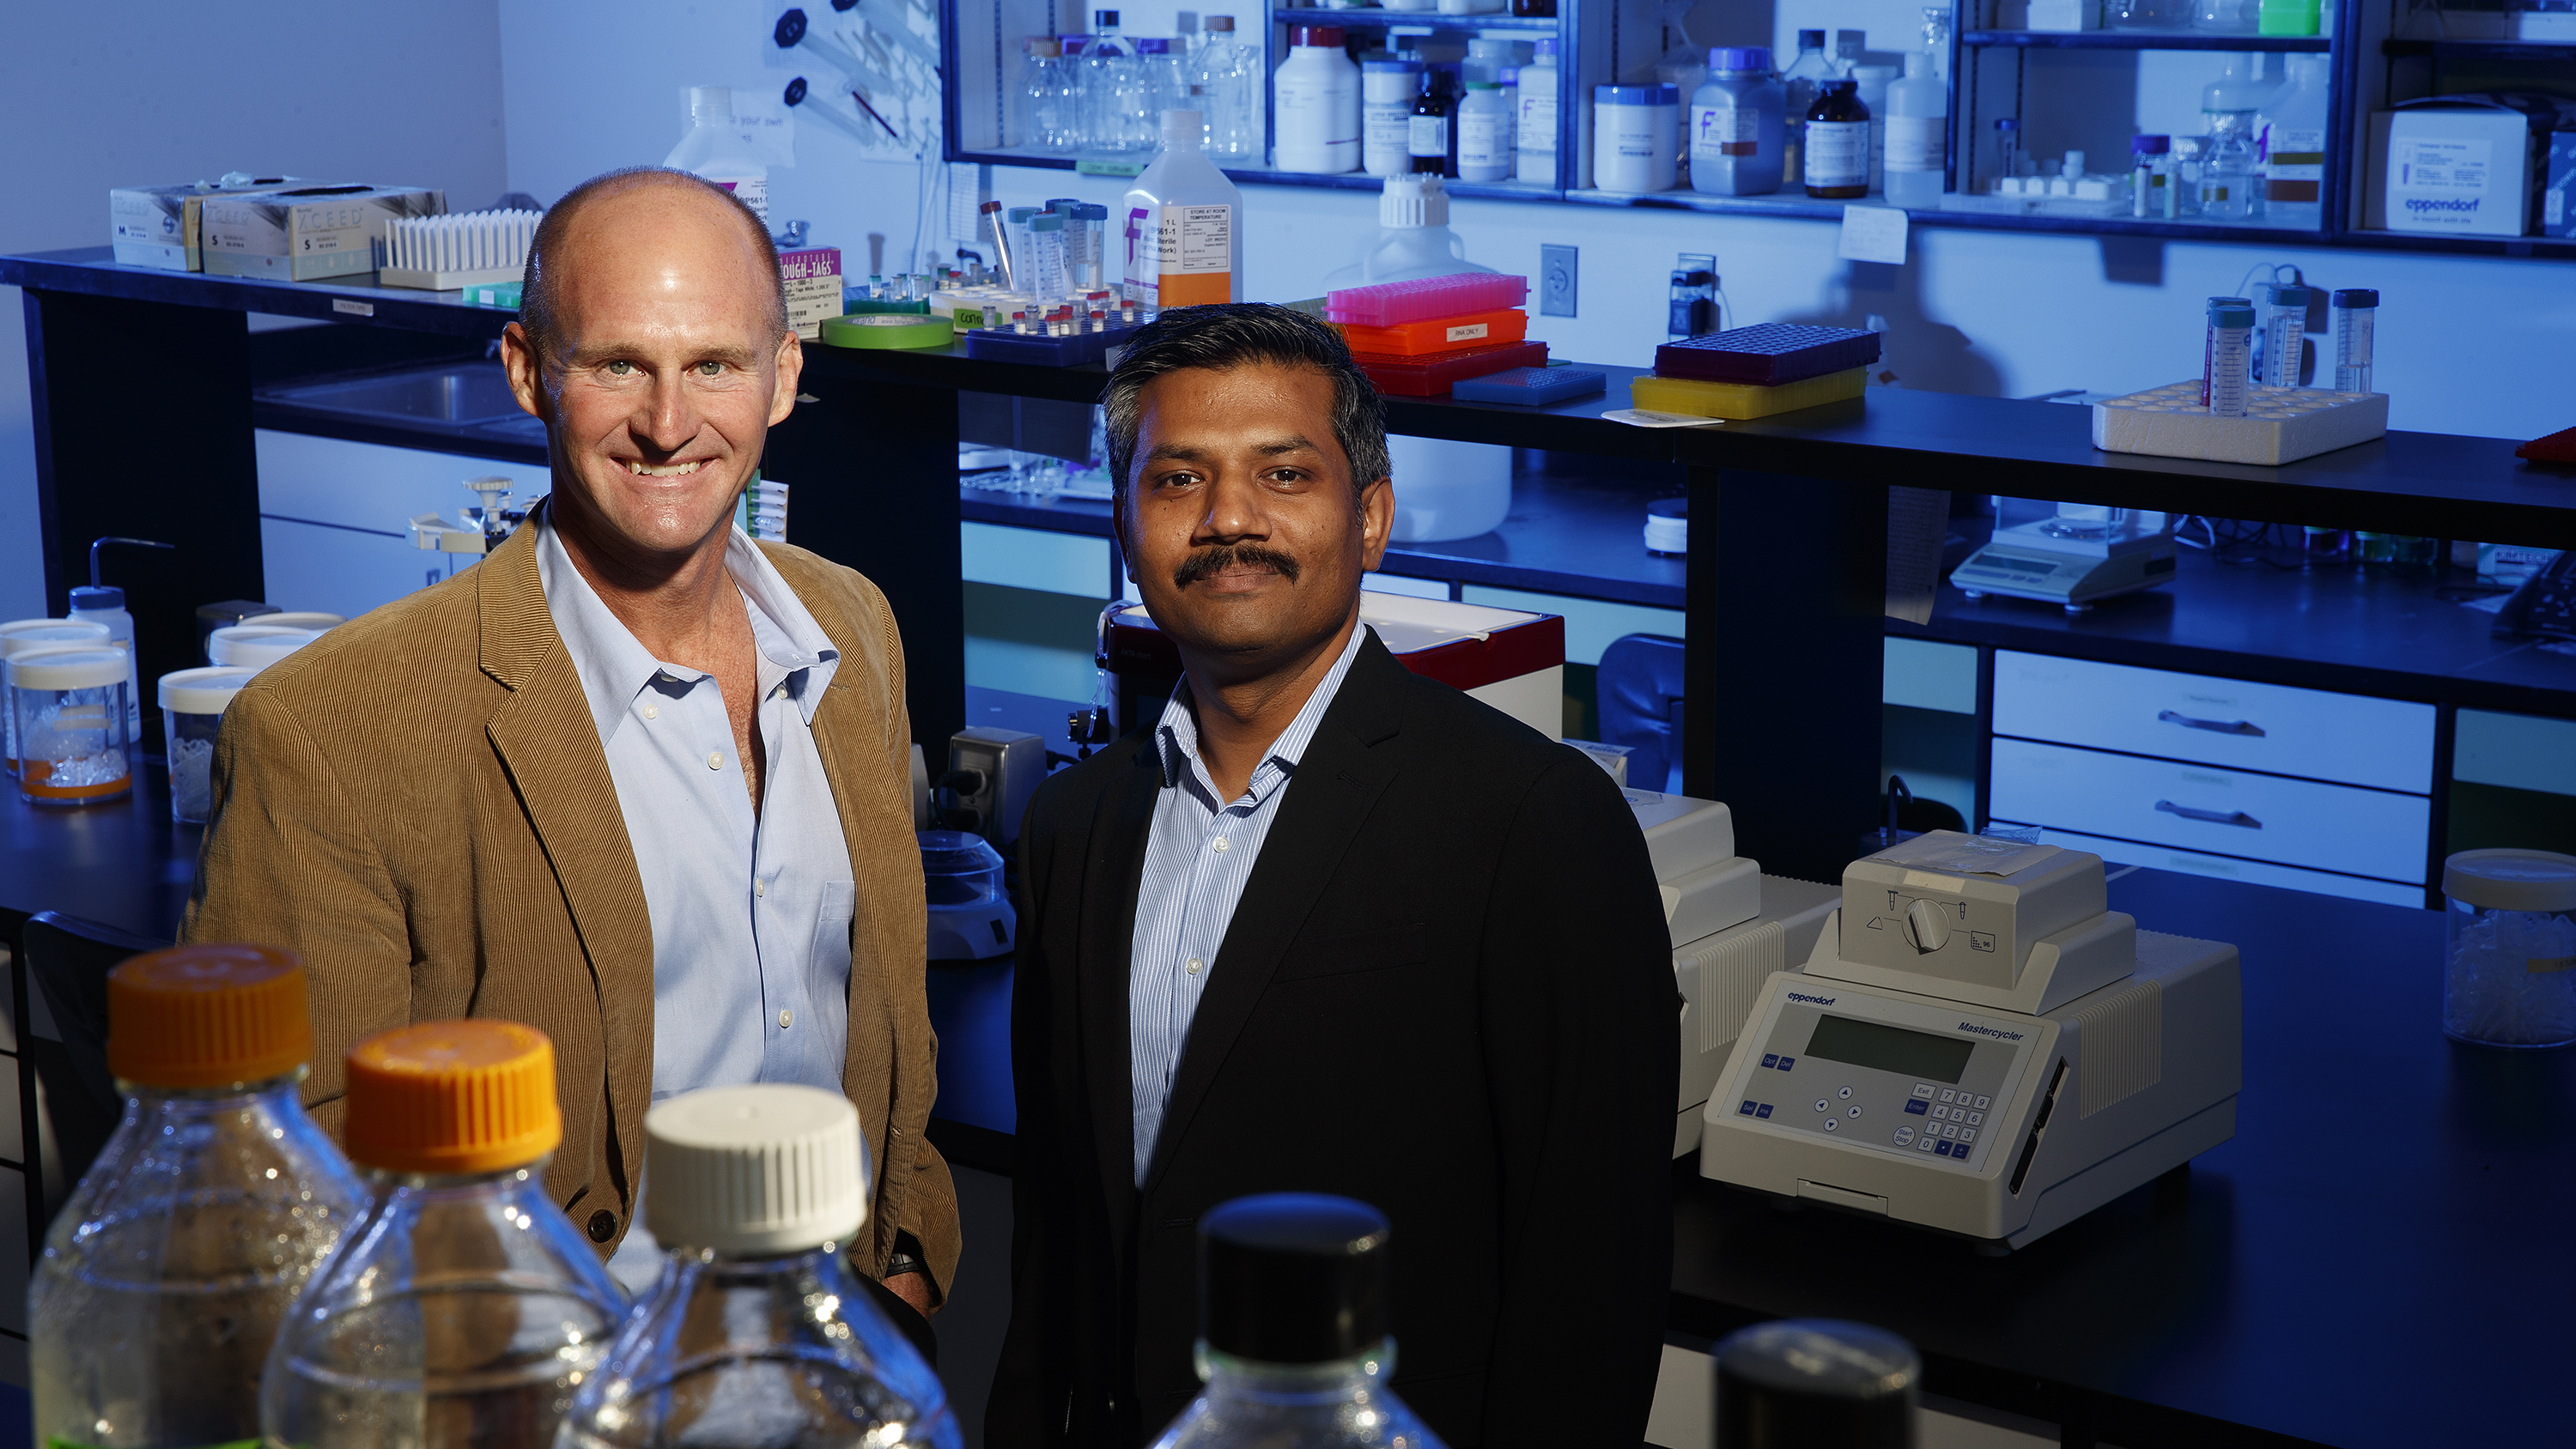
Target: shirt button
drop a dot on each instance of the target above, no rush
(715, 761)
(1219, 847)
(786, 1019)
(652, 711)
(759, 888)
(1194, 965)
(779, 693)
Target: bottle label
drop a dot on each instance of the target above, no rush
(1192, 257)
(1387, 132)
(1837, 153)
(1725, 131)
(751, 191)
(1537, 130)
(2294, 166)
(1429, 137)
(1484, 140)
(1469, 331)
(1917, 143)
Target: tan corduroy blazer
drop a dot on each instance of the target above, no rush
(418, 802)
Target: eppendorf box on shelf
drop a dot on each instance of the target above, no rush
(813, 279)
(158, 226)
(310, 232)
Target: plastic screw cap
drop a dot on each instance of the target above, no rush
(208, 1015)
(755, 1171)
(2511, 879)
(1326, 35)
(453, 1096)
(1816, 1381)
(1294, 1277)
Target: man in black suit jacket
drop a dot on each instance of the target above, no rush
(1354, 931)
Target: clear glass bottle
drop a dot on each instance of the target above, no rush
(2229, 159)
(1226, 79)
(1798, 88)
(1161, 83)
(1047, 98)
(1837, 143)
(757, 1333)
(1108, 65)
(714, 148)
(1294, 1310)
(462, 1310)
(166, 1275)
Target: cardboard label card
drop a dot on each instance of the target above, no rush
(1873, 234)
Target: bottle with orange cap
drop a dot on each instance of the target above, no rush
(462, 1308)
(166, 1275)
(757, 1333)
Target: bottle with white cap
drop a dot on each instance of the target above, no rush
(105, 604)
(757, 1333)
(192, 712)
(714, 149)
(72, 737)
(26, 636)
(255, 645)
(1183, 223)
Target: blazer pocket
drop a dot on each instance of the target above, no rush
(1382, 949)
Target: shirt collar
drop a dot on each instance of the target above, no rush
(614, 666)
(1178, 732)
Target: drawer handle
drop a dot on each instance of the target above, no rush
(2214, 726)
(2214, 817)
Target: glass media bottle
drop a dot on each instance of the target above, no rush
(1294, 1308)
(757, 1334)
(462, 1309)
(1837, 143)
(166, 1274)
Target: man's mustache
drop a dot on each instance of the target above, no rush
(1209, 561)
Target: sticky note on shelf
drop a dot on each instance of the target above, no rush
(1873, 234)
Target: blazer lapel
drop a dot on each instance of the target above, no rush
(1329, 799)
(549, 745)
(1113, 871)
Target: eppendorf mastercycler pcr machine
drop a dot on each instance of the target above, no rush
(1977, 1046)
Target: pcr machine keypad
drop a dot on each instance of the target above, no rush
(1879, 1085)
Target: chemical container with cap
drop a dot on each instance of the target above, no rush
(1296, 1301)
(167, 1274)
(255, 646)
(1736, 124)
(714, 149)
(312, 619)
(1797, 1382)
(23, 636)
(1184, 223)
(461, 1309)
(98, 603)
(1315, 99)
(1413, 238)
(192, 711)
(757, 1332)
(72, 737)
(2509, 979)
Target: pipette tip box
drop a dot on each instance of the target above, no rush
(1435, 375)
(1431, 336)
(1001, 344)
(1767, 355)
(1389, 304)
(2281, 424)
(1530, 387)
(1740, 401)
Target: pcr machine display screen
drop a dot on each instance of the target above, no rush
(1890, 1049)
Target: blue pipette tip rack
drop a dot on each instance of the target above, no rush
(1530, 387)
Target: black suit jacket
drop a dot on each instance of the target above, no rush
(1447, 991)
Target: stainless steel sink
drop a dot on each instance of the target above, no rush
(474, 392)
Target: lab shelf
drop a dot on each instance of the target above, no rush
(2555, 53)
(1419, 21)
(2145, 40)
(1788, 204)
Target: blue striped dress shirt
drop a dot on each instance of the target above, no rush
(1197, 857)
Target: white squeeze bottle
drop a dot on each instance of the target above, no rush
(1182, 224)
(715, 149)
(1918, 127)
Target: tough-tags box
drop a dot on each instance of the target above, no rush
(159, 226)
(813, 279)
(310, 232)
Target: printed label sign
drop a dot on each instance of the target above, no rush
(2439, 185)
(1469, 332)
(1725, 131)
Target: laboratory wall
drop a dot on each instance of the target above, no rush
(149, 95)
(2467, 344)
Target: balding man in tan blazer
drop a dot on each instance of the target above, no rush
(502, 795)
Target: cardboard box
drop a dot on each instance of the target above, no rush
(2461, 165)
(813, 279)
(2558, 194)
(159, 226)
(308, 233)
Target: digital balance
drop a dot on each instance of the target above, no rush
(1979, 1047)
(2070, 554)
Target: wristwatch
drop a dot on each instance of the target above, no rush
(905, 1259)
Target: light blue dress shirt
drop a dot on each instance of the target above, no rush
(1198, 855)
(750, 911)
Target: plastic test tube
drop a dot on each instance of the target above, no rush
(2355, 320)
(2284, 333)
(2209, 342)
(2231, 337)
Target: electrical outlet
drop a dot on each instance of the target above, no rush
(1556, 277)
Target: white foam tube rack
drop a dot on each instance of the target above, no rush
(461, 249)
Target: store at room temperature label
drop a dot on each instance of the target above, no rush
(1181, 256)
(1725, 131)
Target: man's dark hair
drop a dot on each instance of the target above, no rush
(537, 305)
(1223, 335)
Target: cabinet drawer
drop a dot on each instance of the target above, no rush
(2350, 738)
(2117, 853)
(2225, 812)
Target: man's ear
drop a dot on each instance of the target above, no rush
(1377, 521)
(791, 367)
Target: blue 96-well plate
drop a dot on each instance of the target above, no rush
(1530, 386)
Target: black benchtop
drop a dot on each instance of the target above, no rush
(2430, 484)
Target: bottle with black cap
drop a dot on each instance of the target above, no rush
(1294, 1307)
(1801, 1382)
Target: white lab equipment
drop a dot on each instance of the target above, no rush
(1636, 137)
(192, 710)
(1737, 125)
(456, 250)
(2071, 554)
(1977, 1046)
(1534, 134)
(2356, 318)
(1316, 95)
(2285, 330)
(1484, 134)
(2509, 974)
(1918, 135)
(970, 913)
(714, 149)
(255, 646)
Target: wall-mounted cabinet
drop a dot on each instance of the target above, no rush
(2088, 90)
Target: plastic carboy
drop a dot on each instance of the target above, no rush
(166, 1274)
(1295, 1303)
(757, 1333)
(461, 1309)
